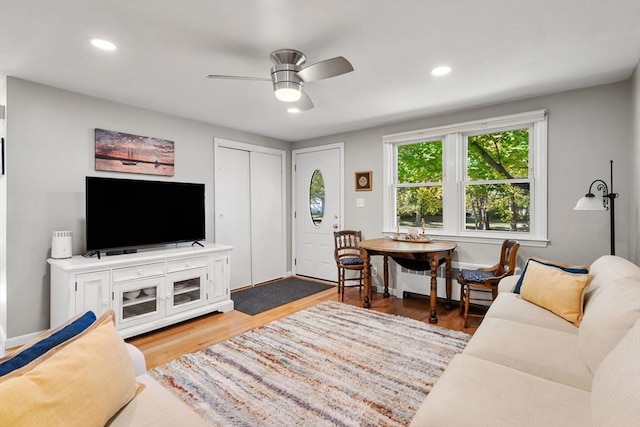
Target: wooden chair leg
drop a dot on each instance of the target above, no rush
(466, 307)
(461, 299)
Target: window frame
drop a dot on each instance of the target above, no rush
(454, 157)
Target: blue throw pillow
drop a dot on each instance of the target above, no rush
(352, 261)
(64, 333)
(576, 269)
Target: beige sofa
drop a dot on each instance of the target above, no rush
(155, 406)
(526, 366)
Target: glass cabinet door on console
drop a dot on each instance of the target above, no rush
(139, 301)
(186, 290)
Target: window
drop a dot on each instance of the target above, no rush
(470, 181)
(497, 188)
(419, 184)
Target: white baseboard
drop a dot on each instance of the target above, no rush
(21, 339)
(3, 338)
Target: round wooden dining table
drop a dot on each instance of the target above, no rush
(414, 256)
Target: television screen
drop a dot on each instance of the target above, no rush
(125, 213)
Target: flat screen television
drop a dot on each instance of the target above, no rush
(128, 214)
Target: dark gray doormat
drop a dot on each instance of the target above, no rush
(271, 295)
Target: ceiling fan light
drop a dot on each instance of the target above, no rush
(441, 71)
(288, 91)
(103, 44)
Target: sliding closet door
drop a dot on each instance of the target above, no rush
(233, 211)
(267, 244)
(249, 210)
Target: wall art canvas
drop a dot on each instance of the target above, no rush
(123, 152)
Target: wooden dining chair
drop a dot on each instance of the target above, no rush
(485, 280)
(347, 255)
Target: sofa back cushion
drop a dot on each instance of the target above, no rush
(605, 270)
(610, 316)
(616, 384)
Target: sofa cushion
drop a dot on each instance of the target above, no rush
(615, 395)
(477, 392)
(45, 342)
(605, 270)
(82, 382)
(556, 290)
(542, 352)
(610, 316)
(508, 284)
(577, 269)
(510, 306)
(156, 406)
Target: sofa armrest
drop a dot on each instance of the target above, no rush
(139, 363)
(508, 284)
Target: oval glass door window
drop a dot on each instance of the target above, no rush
(316, 198)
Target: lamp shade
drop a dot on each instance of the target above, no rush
(590, 203)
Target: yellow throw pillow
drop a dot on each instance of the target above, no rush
(556, 290)
(83, 382)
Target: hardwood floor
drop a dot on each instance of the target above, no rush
(164, 345)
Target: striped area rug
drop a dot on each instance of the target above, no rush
(329, 365)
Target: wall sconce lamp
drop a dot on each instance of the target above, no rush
(591, 202)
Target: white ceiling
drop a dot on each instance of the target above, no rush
(499, 50)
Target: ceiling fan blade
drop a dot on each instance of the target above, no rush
(220, 76)
(303, 104)
(326, 69)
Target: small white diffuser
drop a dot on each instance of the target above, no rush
(61, 245)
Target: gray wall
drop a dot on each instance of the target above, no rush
(586, 129)
(634, 160)
(50, 149)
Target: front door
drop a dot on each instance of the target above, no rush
(318, 196)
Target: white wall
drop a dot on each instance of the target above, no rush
(50, 147)
(586, 129)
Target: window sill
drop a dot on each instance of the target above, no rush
(484, 238)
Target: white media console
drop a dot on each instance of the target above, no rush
(147, 290)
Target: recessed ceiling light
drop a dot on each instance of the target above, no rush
(103, 44)
(441, 71)
(293, 110)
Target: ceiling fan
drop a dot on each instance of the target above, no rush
(289, 74)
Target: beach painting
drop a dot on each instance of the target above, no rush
(123, 152)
